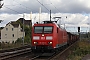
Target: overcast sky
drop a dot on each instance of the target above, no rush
(77, 11)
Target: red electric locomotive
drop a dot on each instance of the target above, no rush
(48, 36)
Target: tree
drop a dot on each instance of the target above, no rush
(19, 40)
(27, 34)
(27, 30)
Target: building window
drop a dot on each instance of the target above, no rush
(5, 35)
(12, 35)
(6, 29)
(12, 29)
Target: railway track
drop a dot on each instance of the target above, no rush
(48, 56)
(42, 56)
(14, 52)
(64, 54)
(17, 55)
(13, 49)
(60, 55)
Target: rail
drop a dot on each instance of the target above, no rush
(7, 55)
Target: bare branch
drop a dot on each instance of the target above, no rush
(1, 4)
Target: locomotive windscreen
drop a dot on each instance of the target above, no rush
(43, 29)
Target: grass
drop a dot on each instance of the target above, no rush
(82, 49)
(9, 45)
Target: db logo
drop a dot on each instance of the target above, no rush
(42, 38)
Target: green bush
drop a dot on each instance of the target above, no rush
(19, 40)
(80, 51)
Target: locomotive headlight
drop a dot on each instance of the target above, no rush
(36, 37)
(49, 42)
(35, 42)
(49, 37)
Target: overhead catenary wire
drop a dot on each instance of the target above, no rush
(14, 10)
(23, 5)
(43, 6)
(39, 3)
(20, 6)
(11, 9)
(20, 15)
(28, 8)
(54, 6)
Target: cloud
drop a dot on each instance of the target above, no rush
(72, 19)
(57, 6)
(9, 17)
(77, 11)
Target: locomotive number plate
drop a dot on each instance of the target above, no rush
(42, 38)
(42, 43)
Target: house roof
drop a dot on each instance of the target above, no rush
(26, 22)
(15, 24)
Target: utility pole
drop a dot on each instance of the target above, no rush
(39, 14)
(23, 29)
(50, 15)
(89, 30)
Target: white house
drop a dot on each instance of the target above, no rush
(11, 32)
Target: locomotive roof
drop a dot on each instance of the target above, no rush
(49, 22)
(45, 22)
(52, 22)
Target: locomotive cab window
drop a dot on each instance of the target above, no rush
(43, 29)
(48, 29)
(38, 29)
